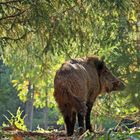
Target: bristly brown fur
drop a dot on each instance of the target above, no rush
(77, 84)
(73, 82)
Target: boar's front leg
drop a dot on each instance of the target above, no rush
(70, 122)
(88, 124)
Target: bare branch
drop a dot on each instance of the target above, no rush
(14, 15)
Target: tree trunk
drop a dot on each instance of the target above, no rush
(45, 118)
(138, 27)
(46, 114)
(29, 107)
(138, 34)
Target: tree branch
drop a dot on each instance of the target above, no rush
(12, 1)
(13, 16)
(14, 39)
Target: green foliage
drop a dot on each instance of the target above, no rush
(111, 135)
(120, 136)
(1, 133)
(71, 29)
(133, 88)
(17, 120)
(60, 121)
(38, 35)
(38, 138)
(9, 100)
(22, 88)
(116, 104)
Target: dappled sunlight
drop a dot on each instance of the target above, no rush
(41, 38)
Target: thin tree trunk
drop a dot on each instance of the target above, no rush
(138, 27)
(46, 113)
(138, 34)
(46, 117)
(29, 107)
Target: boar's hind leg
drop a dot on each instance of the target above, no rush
(80, 122)
(70, 122)
(88, 124)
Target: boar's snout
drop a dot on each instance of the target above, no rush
(118, 85)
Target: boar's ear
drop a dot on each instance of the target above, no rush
(99, 65)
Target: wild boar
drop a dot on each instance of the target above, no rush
(77, 84)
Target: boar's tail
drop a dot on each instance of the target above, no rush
(67, 100)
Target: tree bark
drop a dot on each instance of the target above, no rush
(138, 27)
(29, 107)
(46, 114)
(46, 118)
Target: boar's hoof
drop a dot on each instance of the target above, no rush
(69, 134)
(89, 127)
(81, 130)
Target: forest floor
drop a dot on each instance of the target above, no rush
(11, 133)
